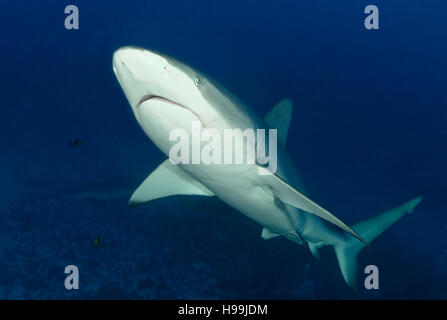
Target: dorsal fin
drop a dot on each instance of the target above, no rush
(167, 180)
(279, 118)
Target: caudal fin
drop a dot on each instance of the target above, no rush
(369, 230)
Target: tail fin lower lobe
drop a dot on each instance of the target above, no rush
(369, 230)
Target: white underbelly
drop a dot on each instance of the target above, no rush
(237, 186)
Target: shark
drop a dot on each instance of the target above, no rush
(165, 94)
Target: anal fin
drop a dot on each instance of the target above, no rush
(267, 234)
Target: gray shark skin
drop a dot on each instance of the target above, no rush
(165, 95)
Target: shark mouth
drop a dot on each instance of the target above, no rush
(151, 96)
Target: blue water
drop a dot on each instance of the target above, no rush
(369, 132)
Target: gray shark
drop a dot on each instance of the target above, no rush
(166, 94)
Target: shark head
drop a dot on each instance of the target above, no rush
(166, 94)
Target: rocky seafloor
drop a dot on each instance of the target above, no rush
(182, 248)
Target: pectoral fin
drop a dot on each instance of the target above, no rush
(293, 197)
(167, 180)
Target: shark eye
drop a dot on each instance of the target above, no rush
(197, 80)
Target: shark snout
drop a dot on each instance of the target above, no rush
(140, 72)
(138, 61)
(121, 60)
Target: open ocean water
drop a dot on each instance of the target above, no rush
(368, 132)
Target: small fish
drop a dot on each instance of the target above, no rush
(98, 242)
(75, 143)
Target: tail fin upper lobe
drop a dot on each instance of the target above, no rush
(369, 230)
